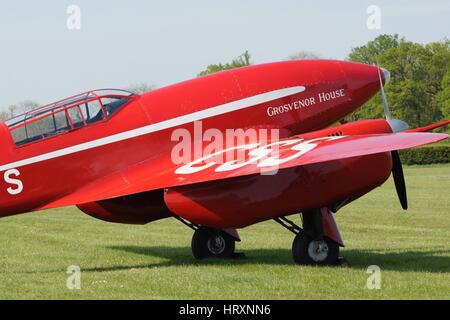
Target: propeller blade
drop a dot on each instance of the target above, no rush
(396, 125)
(387, 110)
(399, 179)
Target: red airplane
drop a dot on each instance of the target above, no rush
(130, 158)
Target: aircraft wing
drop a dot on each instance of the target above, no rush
(430, 127)
(285, 153)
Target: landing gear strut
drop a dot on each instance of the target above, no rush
(310, 245)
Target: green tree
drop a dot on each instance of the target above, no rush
(304, 55)
(370, 52)
(443, 97)
(16, 109)
(241, 61)
(140, 88)
(417, 73)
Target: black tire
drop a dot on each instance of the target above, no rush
(306, 251)
(207, 242)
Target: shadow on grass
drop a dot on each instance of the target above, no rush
(420, 261)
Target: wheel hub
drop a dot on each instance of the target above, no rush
(216, 244)
(318, 250)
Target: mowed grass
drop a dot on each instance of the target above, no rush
(154, 261)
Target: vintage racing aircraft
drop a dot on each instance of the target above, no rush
(130, 158)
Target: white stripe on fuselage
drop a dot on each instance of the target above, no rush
(166, 124)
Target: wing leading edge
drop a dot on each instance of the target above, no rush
(285, 153)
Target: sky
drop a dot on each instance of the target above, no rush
(121, 43)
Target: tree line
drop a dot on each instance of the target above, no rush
(419, 90)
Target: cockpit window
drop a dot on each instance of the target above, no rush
(113, 104)
(76, 117)
(69, 114)
(61, 122)
(92, 111)
(35, 130)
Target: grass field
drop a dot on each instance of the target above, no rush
(154, 261)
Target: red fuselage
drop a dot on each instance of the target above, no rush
(59, 165)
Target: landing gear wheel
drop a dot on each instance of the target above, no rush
(308, 251)
(207, 242)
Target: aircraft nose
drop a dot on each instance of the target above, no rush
(362, 80)
(359, 75)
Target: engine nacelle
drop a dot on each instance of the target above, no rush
(242, 201)
(139, 208)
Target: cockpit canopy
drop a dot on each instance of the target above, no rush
(65, 115)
